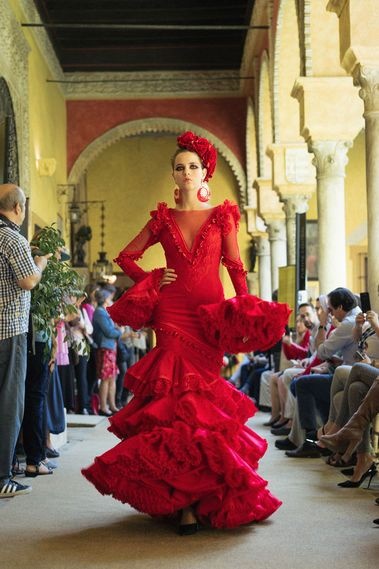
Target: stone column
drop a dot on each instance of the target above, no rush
(265, 290)
(330, 161)
(293, 204)
(276, 229)
(368, 78)
(271, 210)
(294, 183)
(328, 129)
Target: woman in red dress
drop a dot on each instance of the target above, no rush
(185, 450)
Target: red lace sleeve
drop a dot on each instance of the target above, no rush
(145, 239)
(228, 219)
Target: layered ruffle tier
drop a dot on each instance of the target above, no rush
(183, 442)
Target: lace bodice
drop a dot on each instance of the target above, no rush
(195, 242)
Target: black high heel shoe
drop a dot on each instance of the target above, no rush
(188, 529)
(369, 473)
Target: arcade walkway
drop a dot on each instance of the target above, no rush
(65, 524)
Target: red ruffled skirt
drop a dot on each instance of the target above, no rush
(184, 441)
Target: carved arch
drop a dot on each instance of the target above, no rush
(155, 125)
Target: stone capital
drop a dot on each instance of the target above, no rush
(276, 229)
(330, 157)
(367, 77)
(340, 115)
(263, 245)
(295, 204)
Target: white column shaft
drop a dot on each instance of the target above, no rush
(330, 161)
(265, 290)
(372, 177)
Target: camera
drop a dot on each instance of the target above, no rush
(359, 355)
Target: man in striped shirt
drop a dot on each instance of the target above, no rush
(19, 273)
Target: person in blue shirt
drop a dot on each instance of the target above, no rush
(105, 335)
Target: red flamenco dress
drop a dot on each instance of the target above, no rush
(183, 436)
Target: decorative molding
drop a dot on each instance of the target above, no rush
(11, 167)
(155, 125)
(157, 84)
(275, 49)
(46, 166)
(330, 157)
(251, 150)
(303, 10)
(43, 41)
(307, 54)
(264, 67)
(14, 70)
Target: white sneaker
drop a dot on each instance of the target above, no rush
(13, 488)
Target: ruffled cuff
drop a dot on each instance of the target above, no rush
(126, 262)
(136, 306)
(244, 323)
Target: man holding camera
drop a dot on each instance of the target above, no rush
(19, 273)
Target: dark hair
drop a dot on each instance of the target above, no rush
(306, 304)
(13, 197)
(342, 297)
(101, 296)
(180, 151)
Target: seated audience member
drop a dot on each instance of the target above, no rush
(344, 395)
(306, 324)
(313, 391)
(300, 368)
(351, 435)
(291, 350)
(251, 374)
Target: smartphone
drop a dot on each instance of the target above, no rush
(37, 253)
(365, 301)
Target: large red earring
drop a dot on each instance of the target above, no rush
(203, 193)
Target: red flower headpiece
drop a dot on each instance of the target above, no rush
(203, 148)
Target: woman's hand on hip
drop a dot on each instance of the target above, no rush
(169, 276)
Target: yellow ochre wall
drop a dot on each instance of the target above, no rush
(132, 176)
(356, 213)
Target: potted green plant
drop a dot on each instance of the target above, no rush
(51, 299)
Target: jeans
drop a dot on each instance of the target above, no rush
(313, 396)
(12, 392)
(34, 423)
